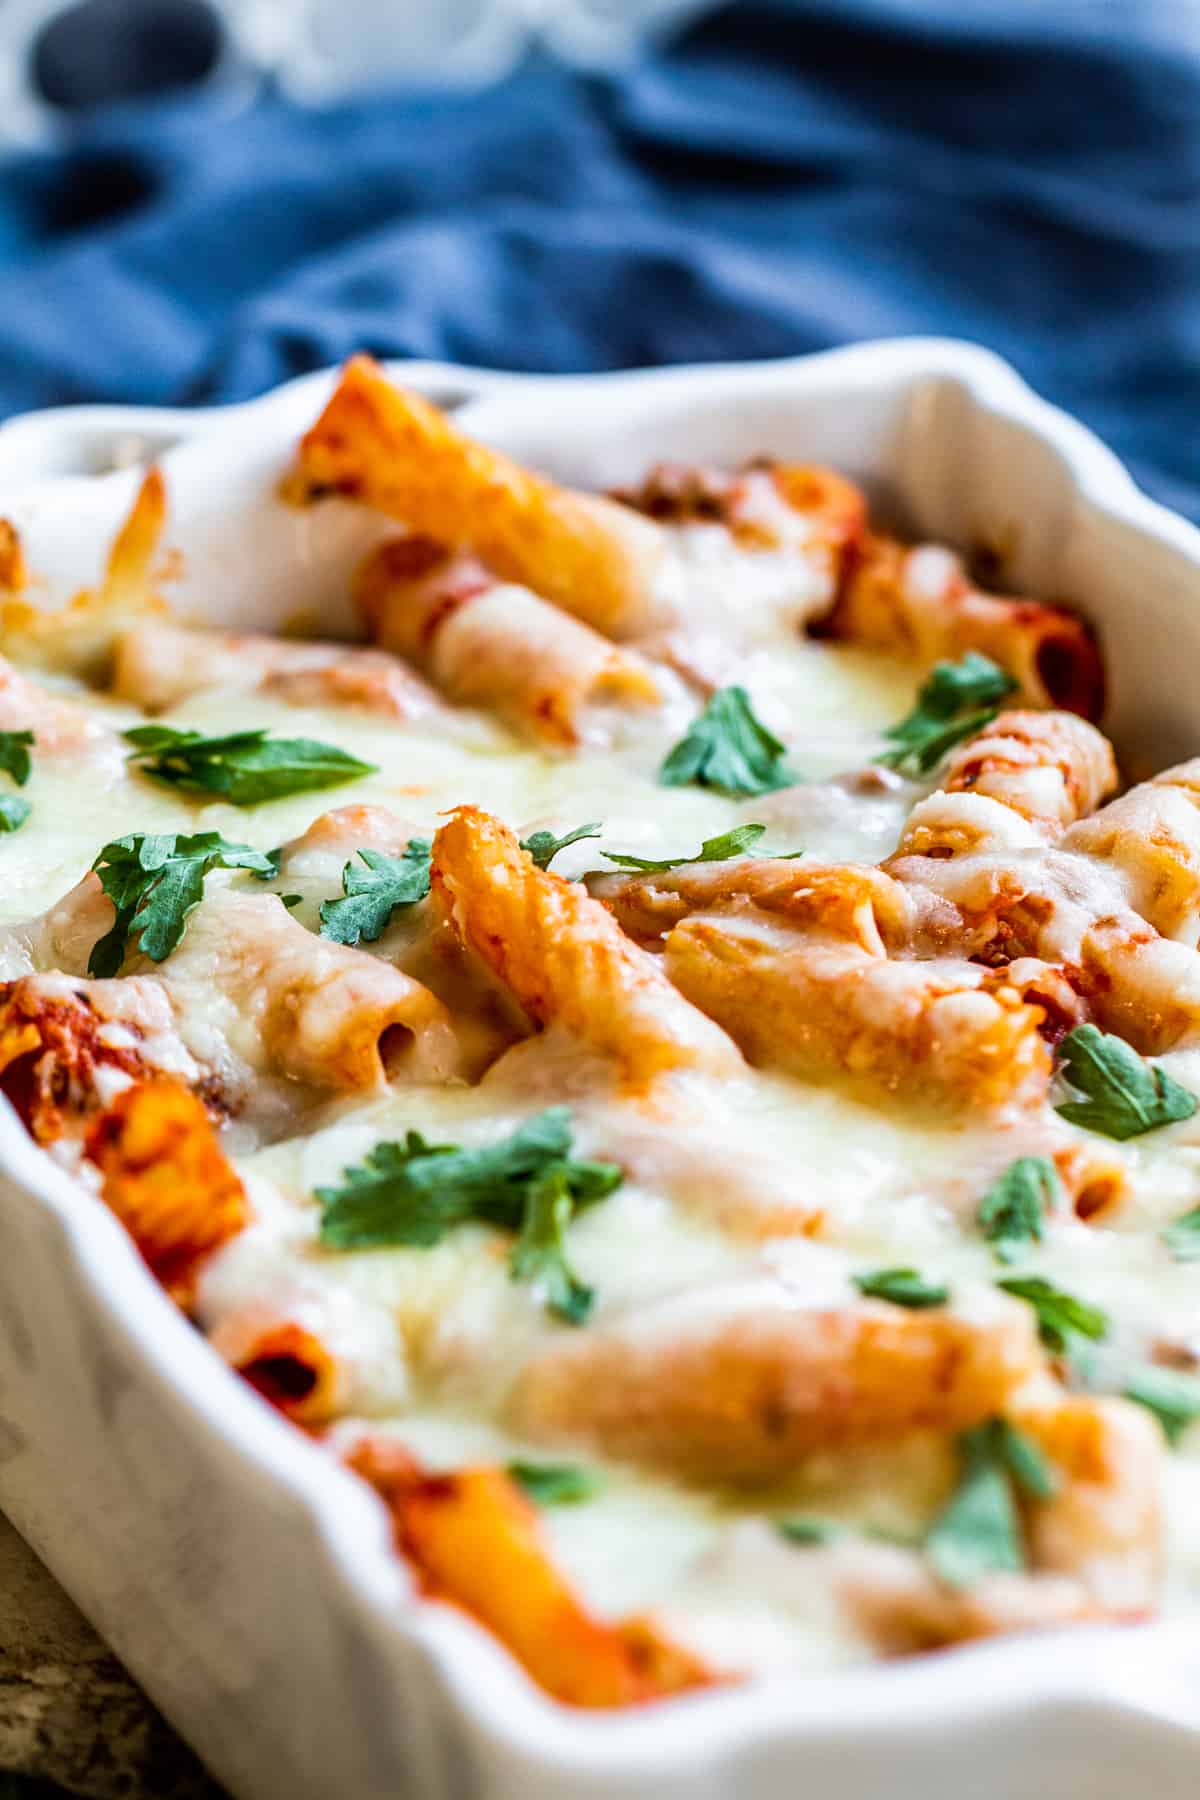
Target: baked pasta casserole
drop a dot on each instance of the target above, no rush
(674, 1057)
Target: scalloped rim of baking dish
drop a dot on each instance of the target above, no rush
(1119, 1684)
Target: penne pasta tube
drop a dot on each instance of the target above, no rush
(944, 1029)
(473, 1539)
(1094, 1545)
(163, 1174)
(1096, 1180)
(396, 452)
(248, 992)
(1066, 911)
(287, 1364)
(1050, 767)
(307, 1008)
(418, 939)
(69, 1047)
(158, 664)
(1144, 987)
(853, 901)
(488, 643)
(743, 1384)
(919, 601)
(1104, 1524)
(765, 506)
(1150, 838)
(563, 958)
(947, 825)
(896, 1599)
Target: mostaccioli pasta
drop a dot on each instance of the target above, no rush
(674, 1057)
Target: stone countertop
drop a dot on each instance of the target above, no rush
(69, 1713)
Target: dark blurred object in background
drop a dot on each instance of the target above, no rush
(780, 176)
(61, 57)
(98, 52)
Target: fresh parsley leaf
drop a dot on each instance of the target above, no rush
(243, 767)
(714, 849)
(903, 1287)
(14, 810)
(543, 846)
(728, 748)
(1125, 1096)
(978, 1532)
(809, 1531)
(975, 680)
(1060, 1316)
(1027, 1462)
(956, 701)
(370, 897)
(414, 1193)
(1183, 1237)
(154, 880)
(1012, 1211)
(918, 753)
(1170, 1394)
(15, 759)
(556, 1484)
(394, 1196)
(271, 861)
(540, 1252)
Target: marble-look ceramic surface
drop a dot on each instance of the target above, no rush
(69, 1714)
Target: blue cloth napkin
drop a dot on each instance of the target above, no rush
(785, 175)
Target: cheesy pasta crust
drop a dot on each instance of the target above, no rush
(674, 1060)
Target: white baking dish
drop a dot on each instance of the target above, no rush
(249, 1584)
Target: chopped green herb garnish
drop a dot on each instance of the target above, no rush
(728, 748)
(978, 1532)
(917, 755)
(370, 896)
(1061, 1317)
(556, 1484)
(243, 767)
(543, 846)
(1125, 1095)
(712, 850)
(1172, 1395)
(272, 860)
(1182, 1238)
(1027, 1462)
(291, 900)
(14, 810)
(956, 701)
(903, 1287)
(540, 1252)
(154, 881)
(1014, 1208)
(415, 1192)
(810, 1531)
(15, 759)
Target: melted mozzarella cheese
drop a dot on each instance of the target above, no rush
(759, 1180)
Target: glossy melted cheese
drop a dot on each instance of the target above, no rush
(430, 1338)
